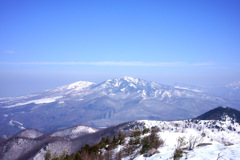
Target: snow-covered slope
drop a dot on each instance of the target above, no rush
(30, 142)
(214, 139)
(203, 140)
(29, 133)
(48, 96)
(74, 132)
(73, 88)
(100, 105)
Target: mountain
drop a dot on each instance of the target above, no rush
(73, 132)
(234, 85)
(100, 105)
(25, 143)
(230, 91)
(29, 133)
(221, 113)
(203, 139)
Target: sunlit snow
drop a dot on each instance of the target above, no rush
(223, 143)
(80, 85)
(37, 101)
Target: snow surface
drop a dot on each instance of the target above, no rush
(130, 79)
(144, 94)
(194, 90)
(209, 152)
(223, 142)
(79, 85)
(37, 101)
(29, 133)
(132, 85)
(16, 123)
(74, 132)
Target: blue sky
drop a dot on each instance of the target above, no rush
(45, 44)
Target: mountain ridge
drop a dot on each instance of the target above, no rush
(100, 105)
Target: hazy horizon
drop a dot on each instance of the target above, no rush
(46, 44)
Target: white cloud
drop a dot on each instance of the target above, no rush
(115, 63)
(9, 51)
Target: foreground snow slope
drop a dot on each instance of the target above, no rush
(214, 139)
(210, 152)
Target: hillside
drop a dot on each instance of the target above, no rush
(192, 138)
(221, 113)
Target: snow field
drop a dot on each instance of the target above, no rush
(223, 144)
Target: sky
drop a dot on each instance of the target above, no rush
(45, 44)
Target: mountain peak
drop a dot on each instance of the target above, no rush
(125, 78)
(131, 79)
(234, 85)
(221, 113)
(80, 85)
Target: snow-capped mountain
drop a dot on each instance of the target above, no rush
(100, 105)
(234, 85)
(29, 133)
(200, 139)
(233, 91)
(73, 132)
(48, 96)
(30, 141)
(230, 92)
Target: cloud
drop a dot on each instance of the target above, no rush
(115, 63)
(9, 51)
(204, 64)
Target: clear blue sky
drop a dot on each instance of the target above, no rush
(48, 43)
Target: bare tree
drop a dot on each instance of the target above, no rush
(108, 155)
(219, 154)
(178, 153)
(128, 150)
(193, 141)
(119, 155)
(181, 142)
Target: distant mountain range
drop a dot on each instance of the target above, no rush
(229, 91)
(221, 127)
(101, 105)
